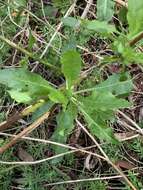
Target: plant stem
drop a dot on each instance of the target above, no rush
(29, 54)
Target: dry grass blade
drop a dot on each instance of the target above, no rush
(25, 132)
(27, 111)
(85, 180)
(85, 12)
(49, 158)
(131, 121)
(57, 144)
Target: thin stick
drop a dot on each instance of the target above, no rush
(26, 131)
(106, 157)
(136, 39)
(131, 121)
(45, 159)
(37, 161)
(57, 144)
(85, 180)
(57, 30)
(86, 10)
(129, 138)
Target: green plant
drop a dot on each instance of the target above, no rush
(138, 184)
(92, 185)
(137, 147)
(27, 87)
(11, 19)
(105, 9)
(66, 83)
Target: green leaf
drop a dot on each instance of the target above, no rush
(99, 108)
(123, 15)
(105, 9)
(104, 101)
(65, 125)
(57, 97)
(131, 56)
(99, 130)
(20, 96)
(25, 86)
(135, 17)
(70, 21)
(71, 66)
(127, 54)
(31, 40)
(99, 26)
(118, 84)
(18, 4)
(41, 110)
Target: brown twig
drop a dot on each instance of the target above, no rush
(11, 120)
(26, 131)
(27, 111)
(136, 39)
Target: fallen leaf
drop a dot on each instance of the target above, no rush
(24, 155)
(90, 162)
(124, 164)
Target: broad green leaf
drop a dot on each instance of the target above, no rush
(65, 125)
(135, 17)
(99, 130)
(118, 84)
(57, 97)
(19, 3)
(20, 96)
(99, 108)
(71, 66)
(71, 22)
(100, 26)
(104, 101)
(25, 86)
(105, 9)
